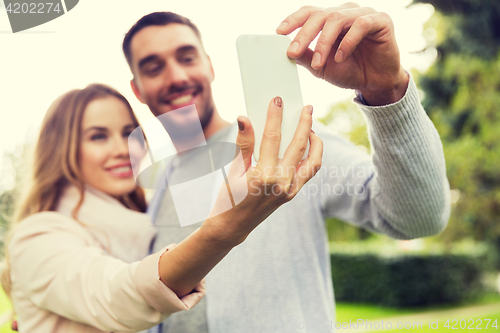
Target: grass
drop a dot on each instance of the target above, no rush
(5, 306)
(373, 313)
(468, 324)
(348, 311)
(353, 311)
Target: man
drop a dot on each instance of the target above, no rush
(279, 279)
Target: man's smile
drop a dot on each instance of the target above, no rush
(182, 98)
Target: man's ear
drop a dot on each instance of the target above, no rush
(136, 90)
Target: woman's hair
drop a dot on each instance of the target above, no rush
(55, 162)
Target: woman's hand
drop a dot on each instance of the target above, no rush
(272, 182)
(261, 188)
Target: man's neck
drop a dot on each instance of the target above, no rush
(215, 125)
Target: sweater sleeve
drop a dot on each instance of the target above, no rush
(54, 263)
(402, 189)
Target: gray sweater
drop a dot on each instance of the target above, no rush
(279, 279)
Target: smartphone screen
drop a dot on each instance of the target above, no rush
(267, 72)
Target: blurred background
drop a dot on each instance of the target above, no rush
(451, 47)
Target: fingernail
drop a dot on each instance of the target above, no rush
(278, 102)
(241, 126)
(316, 60)
(282, 26)
(294, 47)
(310, 109)
(313, 132)
(339, 56)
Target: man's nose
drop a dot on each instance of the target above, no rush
(175, 74)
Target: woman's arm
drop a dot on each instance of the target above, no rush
(265, 187)
(58, 266)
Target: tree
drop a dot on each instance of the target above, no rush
(345, 118)
(12, 170)
(462, 97)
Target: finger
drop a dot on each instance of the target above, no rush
(298, 18)
(242, 160)
(295, 151)
(360, 29)
(245, 141)
(307, 34)
(337, 22)
(310, 166)
(312, 20)
(305, 61)
(295, 20)
(270, 145)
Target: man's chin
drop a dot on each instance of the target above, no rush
(168, 108)
(185, 116)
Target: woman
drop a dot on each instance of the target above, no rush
(75, 260)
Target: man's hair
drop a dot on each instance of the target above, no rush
(154, 19)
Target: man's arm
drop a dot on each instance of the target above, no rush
(402, 189)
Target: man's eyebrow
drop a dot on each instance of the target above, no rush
(185, 48)
(147, 59)
(181, 50)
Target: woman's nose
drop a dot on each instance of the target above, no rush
(120, 146)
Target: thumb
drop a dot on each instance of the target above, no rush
(245, 140)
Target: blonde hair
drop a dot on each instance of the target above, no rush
(55, 161)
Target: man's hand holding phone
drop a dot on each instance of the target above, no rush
(356, 49)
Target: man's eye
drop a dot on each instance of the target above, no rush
(98, 137)
(187, 59)
(152, 70)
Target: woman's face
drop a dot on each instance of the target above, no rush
(104, 158)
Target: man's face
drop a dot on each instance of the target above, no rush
(171, 70)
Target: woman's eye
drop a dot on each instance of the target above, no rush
(98, 137)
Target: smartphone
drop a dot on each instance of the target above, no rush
(267, 72)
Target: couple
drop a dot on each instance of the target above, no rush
(78, 254)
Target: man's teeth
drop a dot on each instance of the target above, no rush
(181, 100)
(122, 169)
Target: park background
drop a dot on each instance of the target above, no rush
(451, 47)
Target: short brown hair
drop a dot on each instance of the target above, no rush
(154, 19)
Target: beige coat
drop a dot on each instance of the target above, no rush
(70, 278)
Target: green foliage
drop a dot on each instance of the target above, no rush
(6, 210)
(12, 171)
(407, 280)
(474, 28)
(346, 119)
(339, 230)
(462, 97)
